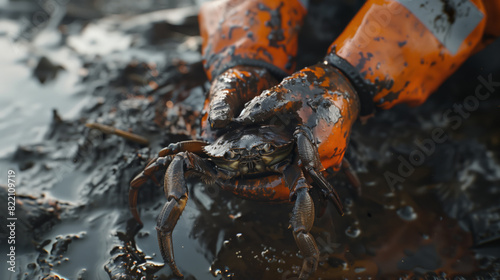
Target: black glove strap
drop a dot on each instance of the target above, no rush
(364, 89)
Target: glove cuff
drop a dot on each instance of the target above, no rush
(364, 89)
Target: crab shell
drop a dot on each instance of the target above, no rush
(250, 150)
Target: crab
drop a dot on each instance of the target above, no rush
(261, 162)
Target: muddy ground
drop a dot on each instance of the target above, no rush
(437, 217)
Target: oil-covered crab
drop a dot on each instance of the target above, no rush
(263, 162)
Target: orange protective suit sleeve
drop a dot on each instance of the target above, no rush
(405, 49)
(250, 33)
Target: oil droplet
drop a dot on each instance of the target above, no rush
(239, 237)
(353, 231)
(348, 202)
(389, 207)
(359, 269)
(407, 213)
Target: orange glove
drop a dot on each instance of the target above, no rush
(319, 97)
(246, 44)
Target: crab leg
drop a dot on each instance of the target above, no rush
(193, 146)
(176, 193)
(302, 219)
(177, 196)
(309, 156)
(153, 166)
(163, 160)
(166, 222)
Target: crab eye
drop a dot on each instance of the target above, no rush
(231, 155)
(267, 149)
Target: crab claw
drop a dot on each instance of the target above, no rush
(136, 183)
(308, 154)
(328, 190)
(166, 222)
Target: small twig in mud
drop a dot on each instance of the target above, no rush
(111, 130)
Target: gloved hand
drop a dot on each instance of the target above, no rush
(319, 97)
(262, 35)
